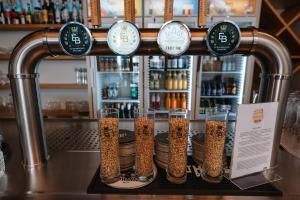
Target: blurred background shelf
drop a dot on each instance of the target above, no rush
(6, 57)
(27, 27)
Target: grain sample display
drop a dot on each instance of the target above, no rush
(178, 140)
(214, 147)
(109, 149)
(144, 136)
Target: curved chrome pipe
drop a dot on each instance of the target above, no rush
(31, 49)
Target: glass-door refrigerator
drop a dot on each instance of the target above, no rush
(221, 83)
(169, 83)
(118, 86)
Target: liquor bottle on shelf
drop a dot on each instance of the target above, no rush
(229, 87)
(184, 80)
(208, 89)
(167, 79)
(213, 88)
(51, 12)
(134, 90)
(219, 88)
(183, 101)
(180, 63)
(79, 6)
(57, 13)
(151, 82)
(122, 114)
(44, 18)
(175, 81)
(14, 16)
(203, 88)
(64, 13)
(156, 77)
(167, 101)
(173, 101)
(7, 16)
(75, 12)
(234, 88)
(158, 102)
(153, 101)
(180, 81)
(23, 16)
(28, 17)
(178, 100)
(37, 12)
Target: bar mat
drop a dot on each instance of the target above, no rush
(193, 186)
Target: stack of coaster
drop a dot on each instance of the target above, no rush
(126, 149)
(162, 149)
(198, 148)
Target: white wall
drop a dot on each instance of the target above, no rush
(51, 71)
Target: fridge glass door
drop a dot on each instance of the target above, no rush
(118, 84)
(168, 84)
(222, 83)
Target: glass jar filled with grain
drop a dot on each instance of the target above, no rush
(214, 142)
(109, 145)
(144, 143)
(178, 142)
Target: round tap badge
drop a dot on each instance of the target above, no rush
(123, 38)
(223, 38)
(75, 39)
(174, 38)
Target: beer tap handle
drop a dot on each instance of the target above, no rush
(202, 12)
(129, 7)
(95, 13)
(168, 15)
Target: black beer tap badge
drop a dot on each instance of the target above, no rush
(223, 38)
(75, 39)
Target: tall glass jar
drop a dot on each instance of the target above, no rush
(214, 142)
(178, 142)
(109, 145)
(144, 143)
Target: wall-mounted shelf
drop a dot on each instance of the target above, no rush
(6, 57)
(221, 97)
(168, 91)
(54, 86)
(120, 101)
(27, 27)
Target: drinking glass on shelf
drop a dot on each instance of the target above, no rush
(144, 143)
(178, 142)
(109, 145)
(214, 142)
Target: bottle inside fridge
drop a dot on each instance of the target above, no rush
(222, 83)
(118, 86)
(169, 84)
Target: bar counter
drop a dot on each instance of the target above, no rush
(68, 173)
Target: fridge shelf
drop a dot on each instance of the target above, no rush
(118, 72)
(232, 116)
(168, 91)
(220, 97)
(120, 101)
(222, 72)
(168, 69)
